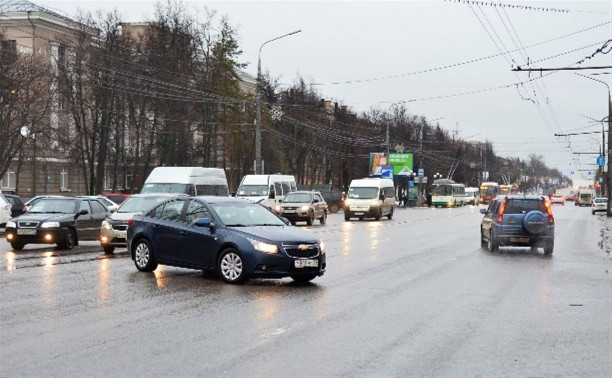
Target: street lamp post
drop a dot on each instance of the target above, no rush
(609, 174)
(258, 161)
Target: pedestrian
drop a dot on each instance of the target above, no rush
(429, 199)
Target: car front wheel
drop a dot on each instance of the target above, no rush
(143, 256)
(323, 219)
(69, 240)
(231, 266)
(17, 246)
(109, 249)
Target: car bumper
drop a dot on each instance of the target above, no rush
(42, 236)
(522, 240)
(371, 212)
(116, 238)
(296, 216)
(262, 265)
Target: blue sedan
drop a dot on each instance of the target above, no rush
(234, 237)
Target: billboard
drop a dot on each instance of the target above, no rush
(401, 162)
(377, 160)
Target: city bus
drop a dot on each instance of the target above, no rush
(447, 193)
(488, 191)
(505, 190)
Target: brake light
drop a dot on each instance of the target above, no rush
(130, 222)
(551, 219)
(500, 213)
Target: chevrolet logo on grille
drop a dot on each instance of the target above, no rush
(303, 247)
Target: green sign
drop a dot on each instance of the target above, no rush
(401, 162)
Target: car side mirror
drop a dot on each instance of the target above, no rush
(234, 194)
(81, 212)
(316, 201)
(280, 201)
(203, 222)
(382, 197)
(483, 211)
(286, 221)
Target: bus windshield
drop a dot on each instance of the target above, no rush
(363, 193)
(488, 190)
(442, 190)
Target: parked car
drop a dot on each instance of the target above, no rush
(5, 211)
(518, 221)
(303, 206)
(235, 237)
(113, 231)
(29, 203)
(600, 204)
(117, 198)
(370, 197)
(557, 198)
(17, 205)
(61, 221)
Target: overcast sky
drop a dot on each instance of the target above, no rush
(348, 41)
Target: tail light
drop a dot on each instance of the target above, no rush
(551, 219)
(500, 213)
(130, 222)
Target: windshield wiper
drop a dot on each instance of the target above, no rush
(236, 225)
(270, 224)
(55, 212)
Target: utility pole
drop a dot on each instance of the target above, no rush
(258, 162)
(420, 199)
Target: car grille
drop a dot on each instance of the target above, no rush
(26, 224)
(306, 250)
(120, 227)
(290, 208)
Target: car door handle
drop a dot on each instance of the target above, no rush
(183, 232)
(155, 226)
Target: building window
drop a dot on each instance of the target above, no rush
(64, 180)
(9, 181)
(8, 50)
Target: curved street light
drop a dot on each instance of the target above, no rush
(258, 162)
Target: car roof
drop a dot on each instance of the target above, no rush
(169, 195)
(215, 199)
(62, 198)
(523, 197)
(304, 192)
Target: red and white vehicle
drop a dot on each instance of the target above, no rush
(557, 198)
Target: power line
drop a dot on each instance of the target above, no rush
(523, 7)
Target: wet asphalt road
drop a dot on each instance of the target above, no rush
(411, 296)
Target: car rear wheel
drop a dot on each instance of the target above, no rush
(143, 256)
(109, 249)
(231, 266)
(548, 249)
(323, 219)
(17, 246)
(69, 240)
(347, 217)
(390, 215)
(483, 242)
(304, 279)
(491, 244)
(334, 208)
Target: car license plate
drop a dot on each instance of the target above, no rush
(519, 240)
(289, 211)
(306, 263)
(26, 232)
(122, 235)
(358, 213)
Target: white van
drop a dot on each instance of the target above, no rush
(266, 189)
(472, 196)
(369, 198)
(584, 198)
(194, 181)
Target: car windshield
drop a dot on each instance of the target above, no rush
(253, 190)
(601, 200)
(116, 199)
(585, 195)
(363, 193)
(523, 206)
(488, 190)
(298, 197)
(442, 190)
(165, 188)
(245, 215)
(139, 204)
(54, 206)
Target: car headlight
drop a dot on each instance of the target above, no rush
(50, 225)
(305, 208)
(264, 247)
(106, 225)
(322, 246)
(347, 202)
(10, 224)
(278, 208)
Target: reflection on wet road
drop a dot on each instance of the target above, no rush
(412, 296)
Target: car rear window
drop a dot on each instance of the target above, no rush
(523, 206)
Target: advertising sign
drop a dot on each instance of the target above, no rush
(401, 162)
(377, 160)
(386, 171)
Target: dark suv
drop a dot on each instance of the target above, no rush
(518, 221)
